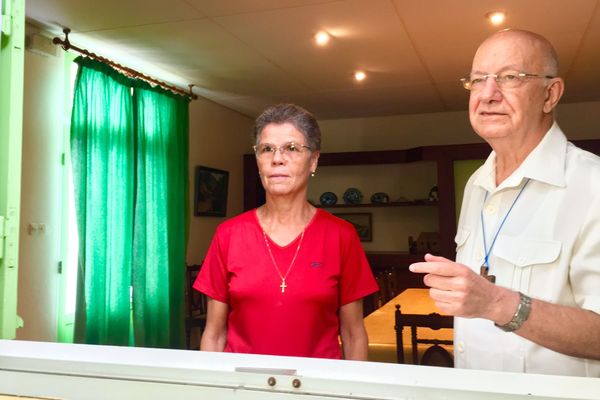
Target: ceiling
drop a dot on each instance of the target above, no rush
(247, 54)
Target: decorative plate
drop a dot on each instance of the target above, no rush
(352, 196)
(380, 198)
(328, 199)
(434, 194)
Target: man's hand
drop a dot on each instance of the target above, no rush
(459, 291)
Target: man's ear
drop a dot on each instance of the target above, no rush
(554, 92)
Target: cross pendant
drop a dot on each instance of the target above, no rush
(283, 286)
(483, 271)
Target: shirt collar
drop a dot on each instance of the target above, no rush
(545, 163)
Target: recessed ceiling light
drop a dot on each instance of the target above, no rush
(322, 38)
(360, 75)
(496, 17)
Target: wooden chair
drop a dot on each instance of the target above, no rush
(434, 355)
(196, 303)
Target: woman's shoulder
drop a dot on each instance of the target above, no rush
(333, 221)
(242, 220)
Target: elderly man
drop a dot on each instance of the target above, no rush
(525, 287)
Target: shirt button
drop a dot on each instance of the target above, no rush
(460, 346)
(522, 260)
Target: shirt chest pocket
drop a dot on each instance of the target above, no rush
(526, 252)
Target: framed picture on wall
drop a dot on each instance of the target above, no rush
(362, 223)
(210, 196)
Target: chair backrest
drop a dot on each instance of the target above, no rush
(196, 306)
(434, 355)
(196, 301)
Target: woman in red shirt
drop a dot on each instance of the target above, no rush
(286, 278)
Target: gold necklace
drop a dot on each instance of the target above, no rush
(283, 277)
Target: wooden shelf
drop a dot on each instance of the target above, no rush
(390, 204)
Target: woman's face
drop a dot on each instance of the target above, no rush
(287, 169)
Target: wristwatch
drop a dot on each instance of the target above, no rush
(521, 315)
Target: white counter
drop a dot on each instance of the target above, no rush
(67, 371)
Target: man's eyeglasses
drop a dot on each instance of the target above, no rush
(504, 80)
(289, 149)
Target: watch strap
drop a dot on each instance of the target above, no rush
(521, 315)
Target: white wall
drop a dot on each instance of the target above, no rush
(218, 139)
(578, 120)
(396, 132)
(41, 196)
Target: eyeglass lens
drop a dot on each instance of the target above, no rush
(289, 148)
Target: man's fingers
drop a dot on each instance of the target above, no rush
(436, 268)
(434, 258)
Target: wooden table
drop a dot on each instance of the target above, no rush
(380, 325)
(393, 276)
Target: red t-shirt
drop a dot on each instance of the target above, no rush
(331, 270)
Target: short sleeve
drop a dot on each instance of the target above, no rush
(584, 271)
(213, 277)
(356, 279)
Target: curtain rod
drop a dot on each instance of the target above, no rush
(66, 45)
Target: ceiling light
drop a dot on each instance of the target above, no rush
(360, 75)
(322, 38)
(496, 17)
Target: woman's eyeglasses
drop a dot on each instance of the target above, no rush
(289, 149)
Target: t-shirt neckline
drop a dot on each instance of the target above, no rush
(306, 228)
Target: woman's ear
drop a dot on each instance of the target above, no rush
(314, 160)
(554, 92)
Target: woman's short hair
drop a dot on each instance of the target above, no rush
(302, 120)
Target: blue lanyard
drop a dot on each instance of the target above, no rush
(486, 263)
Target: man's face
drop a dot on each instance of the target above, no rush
(497, 113)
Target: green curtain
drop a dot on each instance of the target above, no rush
(102, 151)
(130, 151)
(160, 215)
